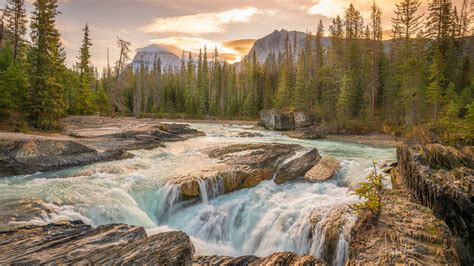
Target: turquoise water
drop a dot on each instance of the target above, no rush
(260, 221)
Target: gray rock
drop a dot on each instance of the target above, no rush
(302, 119)
(297, 167)
(277, 120)
(80, 244)
(442, 179)
(324, 170)
(19, 157)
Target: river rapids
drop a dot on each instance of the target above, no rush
(259, 221)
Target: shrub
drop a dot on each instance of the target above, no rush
(370, 191)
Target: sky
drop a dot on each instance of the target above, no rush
(231, 26)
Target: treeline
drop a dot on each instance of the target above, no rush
(423, 76)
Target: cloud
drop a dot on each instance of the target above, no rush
(242, 46)
(231, 51)
(202, 23)
(328, 8)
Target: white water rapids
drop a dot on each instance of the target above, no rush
(258, 221)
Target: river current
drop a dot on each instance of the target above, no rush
(259, 221)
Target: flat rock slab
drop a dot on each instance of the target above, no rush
(282, 258)
(20, 157)
(77, 243)
(324, 170)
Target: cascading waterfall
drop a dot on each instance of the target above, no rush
(309, 219)
(210, 188)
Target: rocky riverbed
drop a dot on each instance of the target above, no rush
(212, 194)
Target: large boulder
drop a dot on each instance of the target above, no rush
(324, 170)
(74, 243)
(240, 166)
(302, 119)
(277, 120)
(19, 157)
(297, 167)
(442, 178)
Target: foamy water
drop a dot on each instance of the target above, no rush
(258, 221)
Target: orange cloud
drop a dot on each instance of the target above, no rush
(242, 46)
(202, 23)
(231, 51)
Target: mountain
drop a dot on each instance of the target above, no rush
(148, 56)
(275, 43)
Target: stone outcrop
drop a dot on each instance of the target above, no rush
(277, 120)
(31, 156)
(80, 244)
(324, 170)
(240, 166)
(312, 132)
(302, 119)
(442, 179)
(405, 233)
(297, 167)
(90, 140)
(282, 258)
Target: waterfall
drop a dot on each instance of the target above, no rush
(210, 188)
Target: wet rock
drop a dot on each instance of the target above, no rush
(77, 243)
(297, 167)
(334, 226)
(312, 132)
(405, 233)
(19, 157)
(249, 135)
(244, 166)
(441, 179)
(277, 120)
(282, 258)
(302, 119)
(324, 170)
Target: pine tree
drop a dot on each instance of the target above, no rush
(435, 89)
(376, 56)
(47, 104)
(84, 104)
(2, 27)
(343, 101)
(189, 89)
(409, 22)
(115, 94)
(300, 86)
(282, 94)
(102, 101)
(16, 20)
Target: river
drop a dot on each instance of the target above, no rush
(258, 221)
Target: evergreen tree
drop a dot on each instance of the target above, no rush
(300, 85)
(435, 90)
(84, 104)
(16, 20)
(343, 101)
(47, 104)
(407, 19)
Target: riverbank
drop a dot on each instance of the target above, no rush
(76, 127)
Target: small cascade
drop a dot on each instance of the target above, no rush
(210, 188)
(169, 196)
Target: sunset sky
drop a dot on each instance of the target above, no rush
(189, 25)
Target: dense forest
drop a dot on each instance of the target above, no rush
(422, 77)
